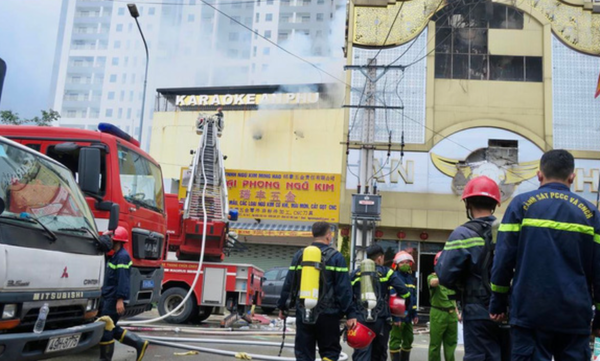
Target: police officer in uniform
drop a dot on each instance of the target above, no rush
(465, 266)
(380, 322)
(114, 293)
(402, 335)
(443, 318)
(548, 262)
(335, 301)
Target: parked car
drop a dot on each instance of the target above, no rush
(272, 286)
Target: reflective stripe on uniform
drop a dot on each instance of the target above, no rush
(328, 268)
(410, 286)
(115, 266)
(561, 226)
(500, 289)
(406, 295)
(509, 227)
(387, 276)
(464, 243)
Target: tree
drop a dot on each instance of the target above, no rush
(9, 117)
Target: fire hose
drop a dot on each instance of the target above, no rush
(175, 342)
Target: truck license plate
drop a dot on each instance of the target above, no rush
(147, 284)
(63, 343)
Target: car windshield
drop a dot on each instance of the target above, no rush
(33, 186)
(141, 180)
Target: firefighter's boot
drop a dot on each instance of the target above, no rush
(107, 350)
(404, 355)
(135, 341)
(395, 356)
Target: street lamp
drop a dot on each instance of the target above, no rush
(133, 11)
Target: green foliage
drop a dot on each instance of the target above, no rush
(346, 249)
(11, 118)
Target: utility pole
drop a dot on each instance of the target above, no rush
(366, 204)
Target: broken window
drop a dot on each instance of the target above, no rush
(461, 45)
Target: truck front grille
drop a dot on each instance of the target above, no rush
(59, 316)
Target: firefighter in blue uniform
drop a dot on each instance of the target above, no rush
(402, 335)
(335, 301)
(548, 262)
(465, 266)
(381, 321)
(114, 293)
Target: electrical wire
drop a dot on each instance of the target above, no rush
(189, 4)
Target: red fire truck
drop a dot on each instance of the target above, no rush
(127, 176)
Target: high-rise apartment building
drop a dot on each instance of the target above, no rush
(99, 63)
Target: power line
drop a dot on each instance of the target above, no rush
(189, 4)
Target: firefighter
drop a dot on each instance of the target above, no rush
(465, 266)
(114, 294)
(548, 261)
(319, 325)
(402, 336)
(376, 316)
(443, 318)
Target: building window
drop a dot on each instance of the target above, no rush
(285, 18)
(319, 33)
(269, 17)
(115, 61)
(190, 18)
(113, 78)
(234, 36)
(128, 113)
(232, 53)
(121, 11)
(320, 17)
(151, 11)
(266, 51)
(269, 2)
(119, 28)
(320, 2)
(109, 112)
(285, 2)
(254, 51)
(237, 5)
(122, 97)
(461, 46)
(283, 35)
(257, 16)
(111, 95)
(120, 113)
(304, 18)
(117, 44)
(268, 34)
(306, 2)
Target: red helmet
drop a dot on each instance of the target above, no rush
(360, 336)
(120, 235)
(437, 256)
(482, 186)
(397, 306)
(402, 256)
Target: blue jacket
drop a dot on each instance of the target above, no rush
(549, 248)
(457, 269)
(116, 278)
(411, 284)
(387, 279)
(336, 276)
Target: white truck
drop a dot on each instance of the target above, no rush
(48, 254)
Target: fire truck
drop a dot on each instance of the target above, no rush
(234, 286)
(127, 177)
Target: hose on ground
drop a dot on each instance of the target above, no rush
(171, 342)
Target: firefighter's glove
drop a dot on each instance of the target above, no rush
(109, 325)
(499, 303)
(243, 356)
(105, 243)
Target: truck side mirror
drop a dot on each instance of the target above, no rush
(113, 221)
(89, 170)
(2, 205)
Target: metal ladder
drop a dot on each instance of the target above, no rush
(215, 196)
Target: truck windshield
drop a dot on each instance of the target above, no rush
(32, 184)
(141, 180)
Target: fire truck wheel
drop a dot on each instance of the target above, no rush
(204, 314)
(170, 299)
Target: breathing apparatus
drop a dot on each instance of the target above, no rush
(367, 289)
(309, 279)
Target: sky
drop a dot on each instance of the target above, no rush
(28, 33)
